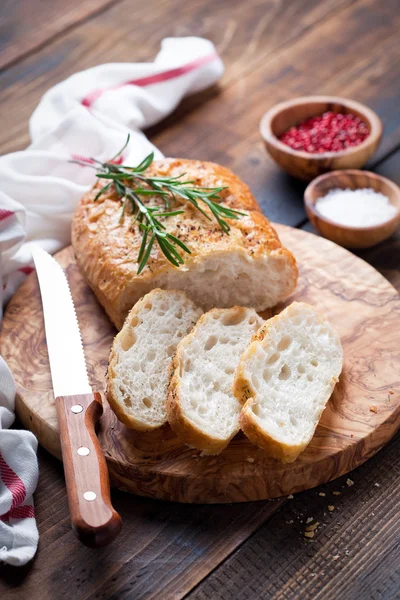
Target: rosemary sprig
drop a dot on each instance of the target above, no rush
(133, 186)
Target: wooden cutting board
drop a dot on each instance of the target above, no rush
(362, 415)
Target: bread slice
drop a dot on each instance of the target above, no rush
(202, 409)
(286, 376)
(137, 378)
(248, 267)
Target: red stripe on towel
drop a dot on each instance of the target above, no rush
(90, 161)
(20, 512)
(4, 214)
(15, 485)
(151, 79)
(26, 270)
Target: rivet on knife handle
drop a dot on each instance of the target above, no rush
(94, 520)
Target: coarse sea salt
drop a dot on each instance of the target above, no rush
(356, 208)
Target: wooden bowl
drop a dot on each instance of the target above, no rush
(303, 164)
(344, 235)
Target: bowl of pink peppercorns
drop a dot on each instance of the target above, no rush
(311, 135)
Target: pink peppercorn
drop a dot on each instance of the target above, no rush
(330, 132)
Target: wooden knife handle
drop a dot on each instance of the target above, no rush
(94, 520)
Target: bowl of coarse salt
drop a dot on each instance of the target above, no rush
(355, 209)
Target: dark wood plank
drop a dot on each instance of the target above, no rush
(353, 555)
(304, 67)
(244, 39)
(259, 47)
(261, 69)
(162, 551)
(26, 27)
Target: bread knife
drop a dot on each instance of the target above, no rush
(93, 518)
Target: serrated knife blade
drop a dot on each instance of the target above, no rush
(78, 408)
(64, 343)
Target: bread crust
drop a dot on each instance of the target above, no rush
(112, 397)
(123, 416)
(185, 429)
(245, 393)
(106, 250)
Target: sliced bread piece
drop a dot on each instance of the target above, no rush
(202, 409)
(137, 378)
(286, 376)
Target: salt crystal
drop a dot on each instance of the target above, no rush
(356, 208)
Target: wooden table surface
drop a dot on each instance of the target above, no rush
(273, 50)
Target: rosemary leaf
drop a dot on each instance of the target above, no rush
(122, 149)
(146, 254)
(144, 164)
(165, 250)
(143, 245)
(103, 189)
(133, 185)
(178, 242)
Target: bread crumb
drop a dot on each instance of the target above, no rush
(331, 508)
(373, 408)
(290, 497)
(309, 520)
(347, 552)
(377, 484)
(336, 557)
(349, 482)
(250, 460)
(312, 527)
(336, 493)
(391, 392)
(309, 534)
(322, 494)
(352, 435)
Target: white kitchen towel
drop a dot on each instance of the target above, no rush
(87, 115)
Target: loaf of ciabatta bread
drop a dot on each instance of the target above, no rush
(137, 377)
(285, 377)
(248, 267)
(201, 407)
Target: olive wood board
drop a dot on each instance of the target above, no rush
(361, 416)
